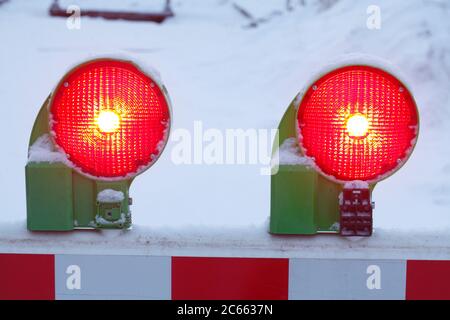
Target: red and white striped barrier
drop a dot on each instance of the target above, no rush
(48, 276)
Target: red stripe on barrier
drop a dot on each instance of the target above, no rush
(229, 278)
(27, 277)
(428, 280)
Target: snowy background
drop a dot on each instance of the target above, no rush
(232, 71)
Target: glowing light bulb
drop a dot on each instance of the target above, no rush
(357, 126)
(108, 121)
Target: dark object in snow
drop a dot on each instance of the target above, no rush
(158, 17)
(3, 1)
(356, 212)
(255, 22)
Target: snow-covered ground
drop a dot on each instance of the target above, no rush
(245, 241)
(223, 72)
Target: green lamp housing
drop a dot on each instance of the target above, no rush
(336, 140)
(106, 122)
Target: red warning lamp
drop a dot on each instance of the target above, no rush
(109, 118)
(109, 121)
(356, 125)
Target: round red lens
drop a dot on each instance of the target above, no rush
(110, 118)
(357, 123)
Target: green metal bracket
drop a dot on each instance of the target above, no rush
(61, 199)
(302, 200)
(116, 214)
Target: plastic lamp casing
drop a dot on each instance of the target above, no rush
(63, 194)
(304, 194)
